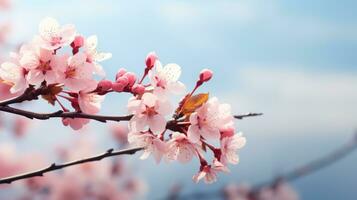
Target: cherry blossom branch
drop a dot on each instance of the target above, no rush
(54, 166)
(100, 118)
(62, 114)
(29, 95)
(293, 175)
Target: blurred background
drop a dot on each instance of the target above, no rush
(295, 61)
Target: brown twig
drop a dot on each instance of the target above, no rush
(54, 166)
(61, 114)
(247, 115)
(100, 118)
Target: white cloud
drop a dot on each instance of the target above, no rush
(298, 101)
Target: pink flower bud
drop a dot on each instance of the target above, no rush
(104, 85)
(131, 78)
(120, 73)
(227, 132)
(150, 60)
(205, 75)
(120, 84)
(77, 42)
(138, 89)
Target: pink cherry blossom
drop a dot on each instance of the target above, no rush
(149, 112)
(77, 74)
(165, 79)
(229, 148)
(76, 123)
(209, 172)
(41, 65)
(93, 56)
(120, 132)
(14, 75)
(90, 103)
(53, 36)
(5, 93)
(208, 120)
(153, 144)
(180, 148)
(281, 192)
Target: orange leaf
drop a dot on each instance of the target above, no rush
(193, 102)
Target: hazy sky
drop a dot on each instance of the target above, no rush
(293, 60)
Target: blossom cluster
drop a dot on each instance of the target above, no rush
(197, 123)
(45, 62)
(65, 65)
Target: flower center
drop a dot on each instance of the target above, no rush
(70, 72)
(44, 66)
(150, 111)
(160, 82)
(56, 41)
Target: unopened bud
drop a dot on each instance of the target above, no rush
(138, 89)
(104, 85)
(205, 75)
(120, 73)
(120, 84)
(78, 42)
(150, 60)
(131, 78)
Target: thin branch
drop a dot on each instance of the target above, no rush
(61, 114)
(247, 115)
(54, 166)
(100, 118)
(29, 95)
(293, 175)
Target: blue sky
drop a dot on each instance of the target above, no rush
(293, 60)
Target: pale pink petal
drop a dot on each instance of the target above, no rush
(35, 77)
(149, 99)
(193, 133)
(157, 124)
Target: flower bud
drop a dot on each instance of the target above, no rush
(120, 84)
(138, 89)
(131, 78)
(205, 75)
(150, 60)
(78, 42)
(120, 73)
(104, 85)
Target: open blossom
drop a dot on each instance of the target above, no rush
(229, 147)
(53, 36)
(77, 74)
(90, 103)
(14, 75)
(149, 112)
(165, 79)
(5, 91)
(153, 144)
(41, 65)
(93, 56)
(208, 120)
(180, 148)
(209, 172)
